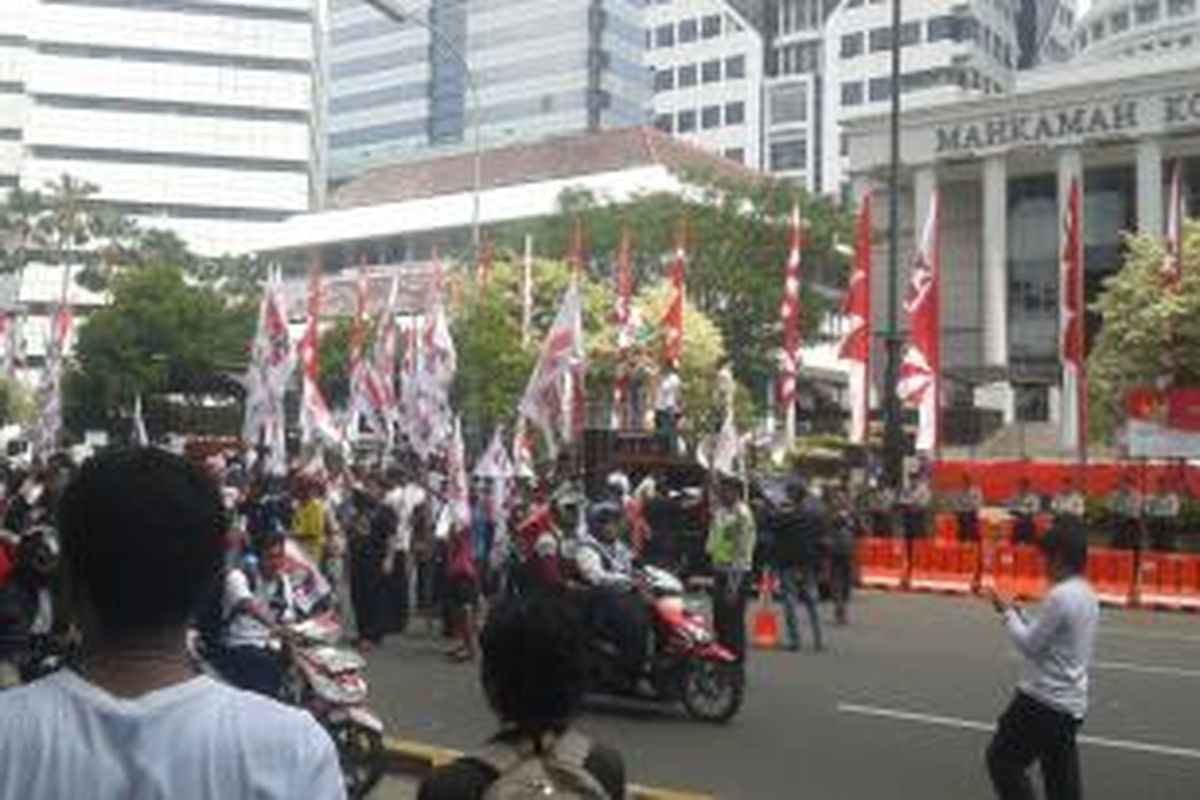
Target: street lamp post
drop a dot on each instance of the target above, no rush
(893, 432)
(401, 16)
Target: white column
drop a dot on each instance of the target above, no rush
(924, 182)
(1150, 187)
(995, 261)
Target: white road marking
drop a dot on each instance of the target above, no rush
(1136, 633)
(1147, 669)
(973, 725)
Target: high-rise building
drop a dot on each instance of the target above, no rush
(1128, 29)
(795, 63)
(707, 61)
(948, 49)
(398, 91)
(192, 116)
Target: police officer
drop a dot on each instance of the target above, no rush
(1024, 508)
(1125, 512)
(1162, 514)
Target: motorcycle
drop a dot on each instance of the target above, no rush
(687, 664)
(328, 682)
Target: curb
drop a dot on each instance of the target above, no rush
(417, 759)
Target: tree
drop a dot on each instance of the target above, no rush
(16, 406)
(19, 228)
(1143, 325)
(159, 335)
(736, 237)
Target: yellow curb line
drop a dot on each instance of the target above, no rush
(412, 752)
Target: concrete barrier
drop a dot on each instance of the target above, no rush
(416, 759)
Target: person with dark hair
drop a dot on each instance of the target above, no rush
(1044, 717)
(142, 538)
(1024, 508)
(536, 708)
(801, 529)
(732, 537)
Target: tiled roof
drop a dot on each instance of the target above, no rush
(550, 159)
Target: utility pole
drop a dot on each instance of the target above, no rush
(893, 430)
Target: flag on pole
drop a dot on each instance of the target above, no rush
(316, 420)
(457, 491)
(673, 320)
(856, 309)
(383, 366)
(920, 370)
(140, 436)
(623, 316)
(1074, 379)
(1172, 268)
(546, 402)
(789, 312)
(362, 402)
(495, 464)
(48, 426)
(527, 292)
(271, 365)
(430, 422)
(522, 450)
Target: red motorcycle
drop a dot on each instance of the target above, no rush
(687, 664)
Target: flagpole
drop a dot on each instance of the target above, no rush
(527, 291)
(893, 434)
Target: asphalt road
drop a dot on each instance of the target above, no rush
(898, 707)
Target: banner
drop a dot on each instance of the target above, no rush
(1163, 424)
(920, 370)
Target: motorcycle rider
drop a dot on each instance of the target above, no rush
(256, 609)
(613, 607)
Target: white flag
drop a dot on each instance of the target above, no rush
(546, 400)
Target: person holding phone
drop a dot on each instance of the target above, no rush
(1051, 701)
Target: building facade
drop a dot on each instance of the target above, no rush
(1136, 28)
(398, 92)
(1003, 165)
(796, 65)
(192, 116)
(707, 63)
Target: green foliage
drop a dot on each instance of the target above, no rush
(333, 362)
(737, 242)
(16, 406)
(1143, 324)
(160, 334)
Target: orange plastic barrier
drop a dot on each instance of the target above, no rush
(1171, 581)
(944, 566)
(881, 563)
(1017, 571)
(1111, 575)
(945, 528)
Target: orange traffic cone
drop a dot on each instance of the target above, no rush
(766, 617)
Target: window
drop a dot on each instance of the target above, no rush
(710, 26)
(968, 29)
(1146, 13)
(687, 75)
(664, 122)
(735, 113)
(735, 67)
(737, 154)
(852, 45)
(881, 40)
(910, 34)
(879, 89)
(710, 71)
(1179, 8)
(689, 31)
(685, 122)
(843, 145)
(710, 117)
(1120, 21)
(853, 3)
(664, 79)
(852, 93)
(664, 36)
(789, 154)
(1097, 30)
(942, 29)
(789, 103)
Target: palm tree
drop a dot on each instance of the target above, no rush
(19, 230)
(68, 222)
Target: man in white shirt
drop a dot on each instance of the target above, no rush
(405, 499)
(1043, 718)
(142, 542)
(666, 406)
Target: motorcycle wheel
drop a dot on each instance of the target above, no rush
(711, 690)
(360, 751)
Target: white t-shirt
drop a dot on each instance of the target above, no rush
(244, 629)
(668, 392)
(404, 500)
(62, 737)
(1057, 645)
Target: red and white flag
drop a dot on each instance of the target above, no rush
(383, 362)
(856, 309)
(271, 363)
(362, 408)
(495, 464)
(1071, 320)
(458, 497)
(316, 420)
(430, 423)
(789, 314)
(48, 426)
(672, 321)
(1172, 268)
(522, 450)
(920, 370)
(623, 317)
(547, 399)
